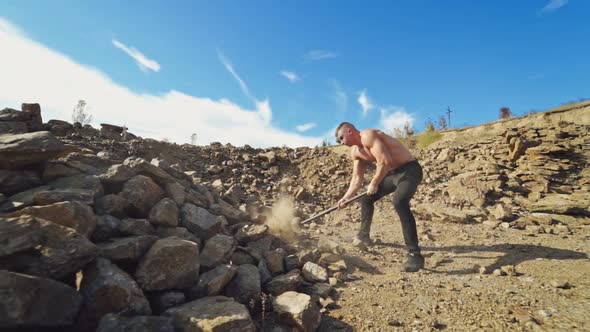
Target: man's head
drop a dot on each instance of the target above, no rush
(343, 131)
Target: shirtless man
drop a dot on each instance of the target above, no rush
(397, 172)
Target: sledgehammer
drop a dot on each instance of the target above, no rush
(333, 208)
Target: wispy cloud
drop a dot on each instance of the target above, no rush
(290, 75)
(365, 102)
(305, 127)
(553, 5)
(263, 107)
(394, 117)
(339, 96)
(212, 120)
(142, 61)
(315, 55)
(231, 70)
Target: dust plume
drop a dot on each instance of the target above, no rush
(281, 219)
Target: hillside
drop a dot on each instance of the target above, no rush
(131, 233)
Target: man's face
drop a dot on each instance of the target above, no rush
(343, 135)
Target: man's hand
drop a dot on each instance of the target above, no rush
(342, 203)
(372, 189)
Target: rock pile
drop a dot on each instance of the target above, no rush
(123, 243)
(525, 177)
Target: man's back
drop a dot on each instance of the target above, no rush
(375, 142)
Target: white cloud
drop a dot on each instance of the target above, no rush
(553, 5)
(142, 61)
(305, 127)
(231, 70)
(291, 76)
(339, 96)
(318, 55)
(394, 117)
(365, 102)
(32, 72)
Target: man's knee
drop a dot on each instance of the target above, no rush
(366, 200)
(400, 204)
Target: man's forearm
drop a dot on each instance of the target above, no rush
(380, 173)
(355, 185)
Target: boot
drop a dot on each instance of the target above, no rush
(414, 262)
(361, 243)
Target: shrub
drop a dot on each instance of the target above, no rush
(505, 113)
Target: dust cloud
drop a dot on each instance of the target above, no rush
(281, 219)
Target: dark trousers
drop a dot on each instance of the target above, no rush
(402, 182)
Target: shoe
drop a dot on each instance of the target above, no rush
(360, 243)
(414, 262)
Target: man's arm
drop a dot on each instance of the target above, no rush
(358, 171)
(379, 150)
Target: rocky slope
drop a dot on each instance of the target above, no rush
(136, 234)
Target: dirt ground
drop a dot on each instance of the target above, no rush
(546, 286)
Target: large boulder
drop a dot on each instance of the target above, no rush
(28, 149)
(75, 215)
(31, 301)
(170, 263)
(42, 248)
(216, 313)
(142, 192)
(108, 289)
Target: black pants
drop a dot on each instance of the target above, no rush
(402, 182)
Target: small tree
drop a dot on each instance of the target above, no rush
(429, 126)
(194, 139)
(442, 122)
(81, 114)
(505, 113)
(325, 142)
(408, 130)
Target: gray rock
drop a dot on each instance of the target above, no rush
(84, 196)
(251, 232)
(170, 263)
(114, 205)
(200, 222)
(212, 282)
(141, 166)
(245, 286)
(176, 192)
(31, 301)
(106, 227)
(136, 227)
(108, 289)
(180, 232)
(232, 214)
(22, 199)
(75, 215)
(57, 251)
(298, 310)
(126, 249)
(162, 301)
(217, 250)
(216, 313)
(164, 213)
(314, 273)
(284, 283)
(142, 192)
(275, 260)
(12, 182)
(28, 149)
(116, 323)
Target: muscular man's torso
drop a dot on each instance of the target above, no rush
(396, 153)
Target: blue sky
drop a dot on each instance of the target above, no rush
(272, 73)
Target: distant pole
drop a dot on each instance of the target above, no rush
(449, 115)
